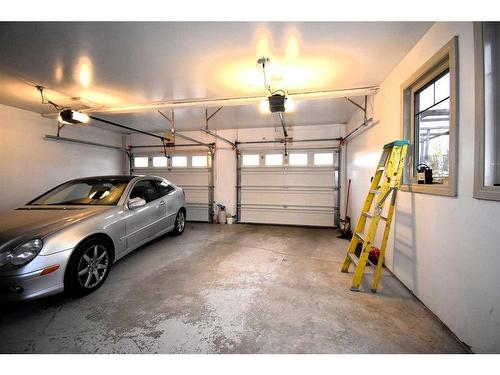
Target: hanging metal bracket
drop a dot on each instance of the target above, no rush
(233, 145)
(207, 117)
(60, 125)
(171, 120)
(363, 108)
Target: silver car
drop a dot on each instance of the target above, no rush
(68, 238)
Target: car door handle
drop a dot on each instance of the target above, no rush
(162, 203)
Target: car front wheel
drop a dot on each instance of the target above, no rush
(88, 267)
(180, 223)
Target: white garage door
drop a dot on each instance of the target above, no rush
(303, 190)
(190, 171)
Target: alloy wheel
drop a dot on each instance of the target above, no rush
(181, 222)
(93, 266)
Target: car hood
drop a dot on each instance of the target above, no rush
(28, 222)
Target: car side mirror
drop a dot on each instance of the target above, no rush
(135, 203)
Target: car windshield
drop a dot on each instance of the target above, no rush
(84, 192)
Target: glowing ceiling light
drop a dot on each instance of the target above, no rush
(263, 45)
(292, 48)
(264, 106)
(59, 72)
(83, 71)
(290, 104)
(71, 117)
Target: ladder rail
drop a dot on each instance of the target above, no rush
(388, 223)
(385, 183)
(385, 190)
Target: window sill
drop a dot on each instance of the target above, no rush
(491, 193)
(434, 189)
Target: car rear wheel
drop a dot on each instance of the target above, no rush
(180, 223)
(88, 267)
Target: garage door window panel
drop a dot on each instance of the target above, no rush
(160, 161)
(323, 159)
(274, 160)
(141, 162)
(179, 161)
(251, 160)
(199, 161)
(298, 160)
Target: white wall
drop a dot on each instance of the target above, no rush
(30, 165)
(225, 156)
(442, 248)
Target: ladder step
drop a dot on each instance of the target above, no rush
(360, 236)
(380, 169)
(354, 259)
(370, 215)
(374, 191)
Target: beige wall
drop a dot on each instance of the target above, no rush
(442, 248)
(30, 165)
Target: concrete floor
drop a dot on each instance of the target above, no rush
(230, 289)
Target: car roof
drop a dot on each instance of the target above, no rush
(124, 177)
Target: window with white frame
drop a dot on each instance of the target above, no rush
(297, 159)
(487, 132)
(199, 161)
(323, 158)
(250, 160)
(179, 161)
(429, 123)
(273, 160)
(141, 162)
(159, 161)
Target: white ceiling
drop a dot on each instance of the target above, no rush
(114, 64)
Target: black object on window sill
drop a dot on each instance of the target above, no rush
(424, 174)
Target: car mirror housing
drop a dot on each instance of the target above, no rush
(135, 203)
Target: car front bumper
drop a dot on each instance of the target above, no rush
(29, 282)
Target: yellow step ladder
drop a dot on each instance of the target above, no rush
(385, 182)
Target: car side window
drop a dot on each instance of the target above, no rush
(164, 187)
(146, 190)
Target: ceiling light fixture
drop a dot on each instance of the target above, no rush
(71, 117)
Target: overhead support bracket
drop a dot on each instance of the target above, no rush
(207, 117)
(285, 133)
(171, 120)
(233, 145)
(363, 108)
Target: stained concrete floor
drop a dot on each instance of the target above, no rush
(230, 289)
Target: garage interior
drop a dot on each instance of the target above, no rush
(188, 101)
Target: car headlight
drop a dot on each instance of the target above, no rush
(25, 252)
